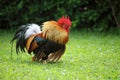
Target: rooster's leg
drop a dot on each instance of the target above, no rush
(33, 58)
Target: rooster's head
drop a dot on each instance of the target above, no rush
(65, 23)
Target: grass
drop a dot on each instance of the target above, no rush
(89, 56)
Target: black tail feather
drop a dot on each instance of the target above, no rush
(20, 39)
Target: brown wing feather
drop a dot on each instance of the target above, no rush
(28, 43)
(31, 44)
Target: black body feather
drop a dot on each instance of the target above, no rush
(46, 47)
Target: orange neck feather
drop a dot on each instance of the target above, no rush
(54, 32)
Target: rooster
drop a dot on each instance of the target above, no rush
(47, 42)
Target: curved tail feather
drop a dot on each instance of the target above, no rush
(22, 34)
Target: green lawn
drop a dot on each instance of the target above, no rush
(89, 56)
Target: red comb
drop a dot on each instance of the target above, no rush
(65, 19)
